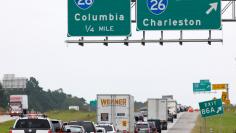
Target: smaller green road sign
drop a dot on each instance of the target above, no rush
(204, 85)
(99, 18)
(211, 108)
(178, 14)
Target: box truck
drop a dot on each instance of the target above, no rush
(172, 108)
(116, 109)
(18, 105)
(158, 110)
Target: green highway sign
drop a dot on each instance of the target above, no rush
(211, 108)
(99, 18)
(204, 85)
(178, 14)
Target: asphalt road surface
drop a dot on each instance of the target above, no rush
(184, 124)
(4, 118)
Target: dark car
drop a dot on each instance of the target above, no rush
(87, 125)
(157, 124)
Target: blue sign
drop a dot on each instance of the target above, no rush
(84, 4)
(157, 6)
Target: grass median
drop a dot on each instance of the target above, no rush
(4, 127)
(71, 115)
(225, 123)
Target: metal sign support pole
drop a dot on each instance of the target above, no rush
(227, 90)
(233, 10)
(221, 116)
(205, 125)
(81, 43)
(126, 41)
(161, 43)
(105, 41)
(209, 42)
(181, 37)
(143, 40)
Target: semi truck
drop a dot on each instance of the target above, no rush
(172, 107)
(158, 110)
(18, 105)
(116, 109)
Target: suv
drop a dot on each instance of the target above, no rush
(88, 125)
(108, 127)
(157, 124)
(32, 124)
(57, 125)
(142, 127)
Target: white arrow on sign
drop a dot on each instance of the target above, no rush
(213, 7)
(219, 109)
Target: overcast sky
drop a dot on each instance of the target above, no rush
(32, 44)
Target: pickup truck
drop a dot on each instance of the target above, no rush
(32, 124)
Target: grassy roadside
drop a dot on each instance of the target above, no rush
(225, 123)
(4, 127)
(72, 115)
(196, 129)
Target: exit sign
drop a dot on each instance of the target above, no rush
(211, 108)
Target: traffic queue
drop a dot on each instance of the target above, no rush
(115, 114)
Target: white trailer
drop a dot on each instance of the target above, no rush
(158, 110)
(172, 107)
(116, 109)
(18, 105)
(74, 108)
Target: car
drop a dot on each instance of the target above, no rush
(100, 130)
(33, 123)
(73, 129)
(108, 127)
(142, 127)
(190, 109)
(170, 118)
(157, 125)
(87, 125)
(57, 124)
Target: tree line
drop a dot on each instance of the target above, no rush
(41, 100)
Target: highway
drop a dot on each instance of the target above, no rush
(184, 124)
(4, 118)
